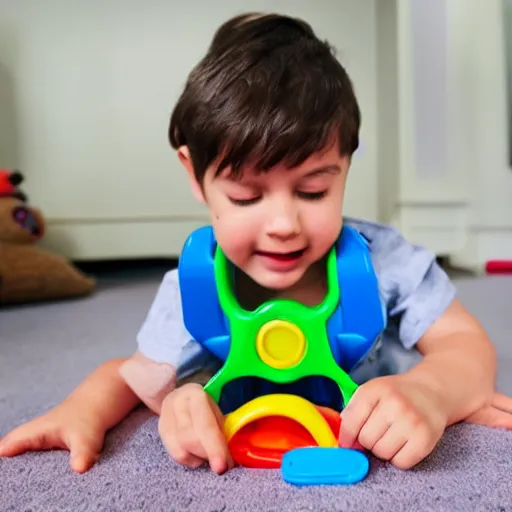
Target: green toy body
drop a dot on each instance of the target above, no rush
(243, 359)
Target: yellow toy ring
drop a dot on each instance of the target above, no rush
(290, 406)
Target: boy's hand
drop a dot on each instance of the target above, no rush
(398, 418)
(498, 413)
(190, 426)
(65, 427)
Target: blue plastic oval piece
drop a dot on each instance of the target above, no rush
(324, 466)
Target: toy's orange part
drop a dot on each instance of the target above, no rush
(262, 443)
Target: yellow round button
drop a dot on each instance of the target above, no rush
(280, 344)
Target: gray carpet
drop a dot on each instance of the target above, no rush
(46, 350)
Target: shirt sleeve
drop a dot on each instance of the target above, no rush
(416, 290)
(163, 337)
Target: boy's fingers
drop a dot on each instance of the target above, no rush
(391, 442)
(408, 456)
(491, 417)
(355, 415)
(374, 428)
(502, 402)
(184, 428)
(84, 452)
(220, 421)
(83, 460)
(180, 415)
(26, 438)
(180, 454)
(172, 443)
(210, 433)
(416, 448)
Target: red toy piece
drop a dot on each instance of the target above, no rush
(9, 181)
(262, 443)
(499, 267)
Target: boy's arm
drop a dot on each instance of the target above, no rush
(104, 395)
(152, 381)
(400, 418)
(80, 422)
(149, 380)
(459, 363)
(166, 350)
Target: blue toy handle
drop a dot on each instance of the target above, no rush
(202, 315)
(357, 323)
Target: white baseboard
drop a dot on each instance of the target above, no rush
(484, 244)
(95, 240)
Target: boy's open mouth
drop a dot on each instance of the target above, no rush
(282, 256)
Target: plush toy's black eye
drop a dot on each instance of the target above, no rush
(15, 178)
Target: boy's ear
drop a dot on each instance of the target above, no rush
(186, 161)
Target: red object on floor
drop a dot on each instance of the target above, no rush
(499, 267)
(7, 183)
(262, 443)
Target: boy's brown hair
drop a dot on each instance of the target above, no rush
(267, 91)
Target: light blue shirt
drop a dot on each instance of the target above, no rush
(415, 290)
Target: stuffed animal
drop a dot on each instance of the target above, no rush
(29, 273)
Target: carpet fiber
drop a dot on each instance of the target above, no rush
(46, 350)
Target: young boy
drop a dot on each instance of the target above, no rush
(265, 129)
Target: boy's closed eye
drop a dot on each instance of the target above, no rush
(308, 196)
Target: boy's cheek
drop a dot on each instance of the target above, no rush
(236, 233)
(324, 226)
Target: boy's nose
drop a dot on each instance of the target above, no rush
(283, 223)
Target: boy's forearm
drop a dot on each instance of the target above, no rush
(463, 371)
(105, 395)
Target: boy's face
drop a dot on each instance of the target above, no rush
(275, 225)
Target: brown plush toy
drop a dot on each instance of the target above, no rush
(29, 273)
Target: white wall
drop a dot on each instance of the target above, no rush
(489, 174)
(388, 143)
(86, 89)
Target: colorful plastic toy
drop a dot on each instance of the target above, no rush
(281, 341)
(327, 466)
